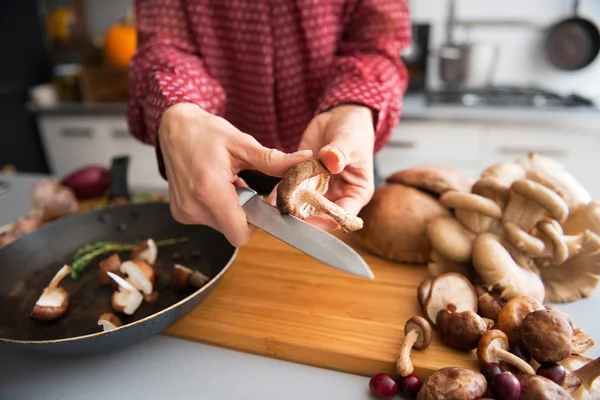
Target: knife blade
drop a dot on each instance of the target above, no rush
(301, 235)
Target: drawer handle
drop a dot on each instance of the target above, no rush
(121, 134)
(400, 144)
(76, 132)
(525, 151)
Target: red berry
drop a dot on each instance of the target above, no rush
(383, 386)
(505, 386)
(553, 371)
(490, 370)
(410, 385)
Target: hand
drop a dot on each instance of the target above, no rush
(203, 154)
(343, 139)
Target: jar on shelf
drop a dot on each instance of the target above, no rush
(66, 82)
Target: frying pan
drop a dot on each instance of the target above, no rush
(28, 264)
(573, 43)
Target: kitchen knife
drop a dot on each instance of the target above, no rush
(301, 235)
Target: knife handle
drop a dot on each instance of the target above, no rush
(244, 194)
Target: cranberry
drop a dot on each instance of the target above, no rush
(505, 386)
(553, 371)
(383, 386)
(490, 370)
(520, 352)
(410, 385)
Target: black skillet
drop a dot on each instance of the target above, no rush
(573, 43)
(28, 264)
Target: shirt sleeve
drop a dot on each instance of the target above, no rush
(166, 70)
(368, 69)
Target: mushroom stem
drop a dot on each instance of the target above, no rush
(59, 276)
(404, 365)
(588, 373)
(557, 245)
(512, 359)
(347, 221)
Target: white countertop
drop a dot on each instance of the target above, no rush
(163, 367)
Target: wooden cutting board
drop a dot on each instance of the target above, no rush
(277, 302)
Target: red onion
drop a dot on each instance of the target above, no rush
(87, 182)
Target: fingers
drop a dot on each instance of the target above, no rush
(338, 153)
(229, 217)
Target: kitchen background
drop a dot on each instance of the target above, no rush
(512, 99)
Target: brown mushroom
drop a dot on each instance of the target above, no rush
(512, 314)
(146, 251)
(488, 306)
(453, 383)
(126, 299)
(417, 334)
(493, 348)
(112, 264)
(140, 274)
(530, 202)
(536, 387)
(450, 288)
(183, 277)
(460, 330)
(54, 300)
(475, 212)
(301, 192)
(152, 297)
(439, 265)
(547, 336)
(423, 291)
(432, 178)
(396, 222)
(109, 321)
(450, 239)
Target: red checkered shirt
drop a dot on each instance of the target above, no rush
(268, 66)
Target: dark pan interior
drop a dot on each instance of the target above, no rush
(28, 264)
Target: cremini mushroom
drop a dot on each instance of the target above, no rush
(146, 251)
(54, 300)
(493, 348)
(417, 334)
(423, 290)
(460, 330)
(109, 321)
(512, 313)
(488, 306)
(439, 265)
(475, 212)
(140, 274)
(536, 387)
(112, 263)
(453, 383)
(450, 239)
(499, 270)
(395, 223)
(450, 288)
(530, 202)
(183, 277)
(302, 190)
(547, 336)
(432, 178)
(126, 299)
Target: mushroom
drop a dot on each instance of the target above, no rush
(146, 251)
(109, 321)
(112, 264)
(450, 239)
(302, 190)
(446, 289)
(152, 297)
(547, 336)
(475, 212)
(395, 223)
(582, 341)
(439, 265)
(523, 241)
(505, 172)
(512, 314)
(182, 277)
(54, 300)
(453, 383)
(585, 371)
(126, 299)
(499, 270)
(460, 330)
(536, 387)
(559, 247)
(488, 306)
(140, 274)
(493, 348)
(417, 334)
(530, 202)
(423, 291)
(583, 217)
(432, 178)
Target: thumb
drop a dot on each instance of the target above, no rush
(338, 153)
(272, 162)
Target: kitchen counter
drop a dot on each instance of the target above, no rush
(164, 367)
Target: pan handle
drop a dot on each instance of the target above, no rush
(119, 188)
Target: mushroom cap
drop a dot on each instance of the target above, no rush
(146, 251)
(395, 223)
(583, 217)
(450, 288)
(490, 339)
(460, 330)
(140, 274)
(111, 263)
(582, 341)
(451, 239)
(512, 314)
(109, 321)
(126, 301)
(536, 387)
(419, 324)
(547, 336)
(488, 306)
(544, 196)
(553, 232)
(453, 383)
(522, 240)
(505, 172)
(52, 304)
(309, 173)
(423, 290)
(471, 202)
(180, 276)
(432, 178)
